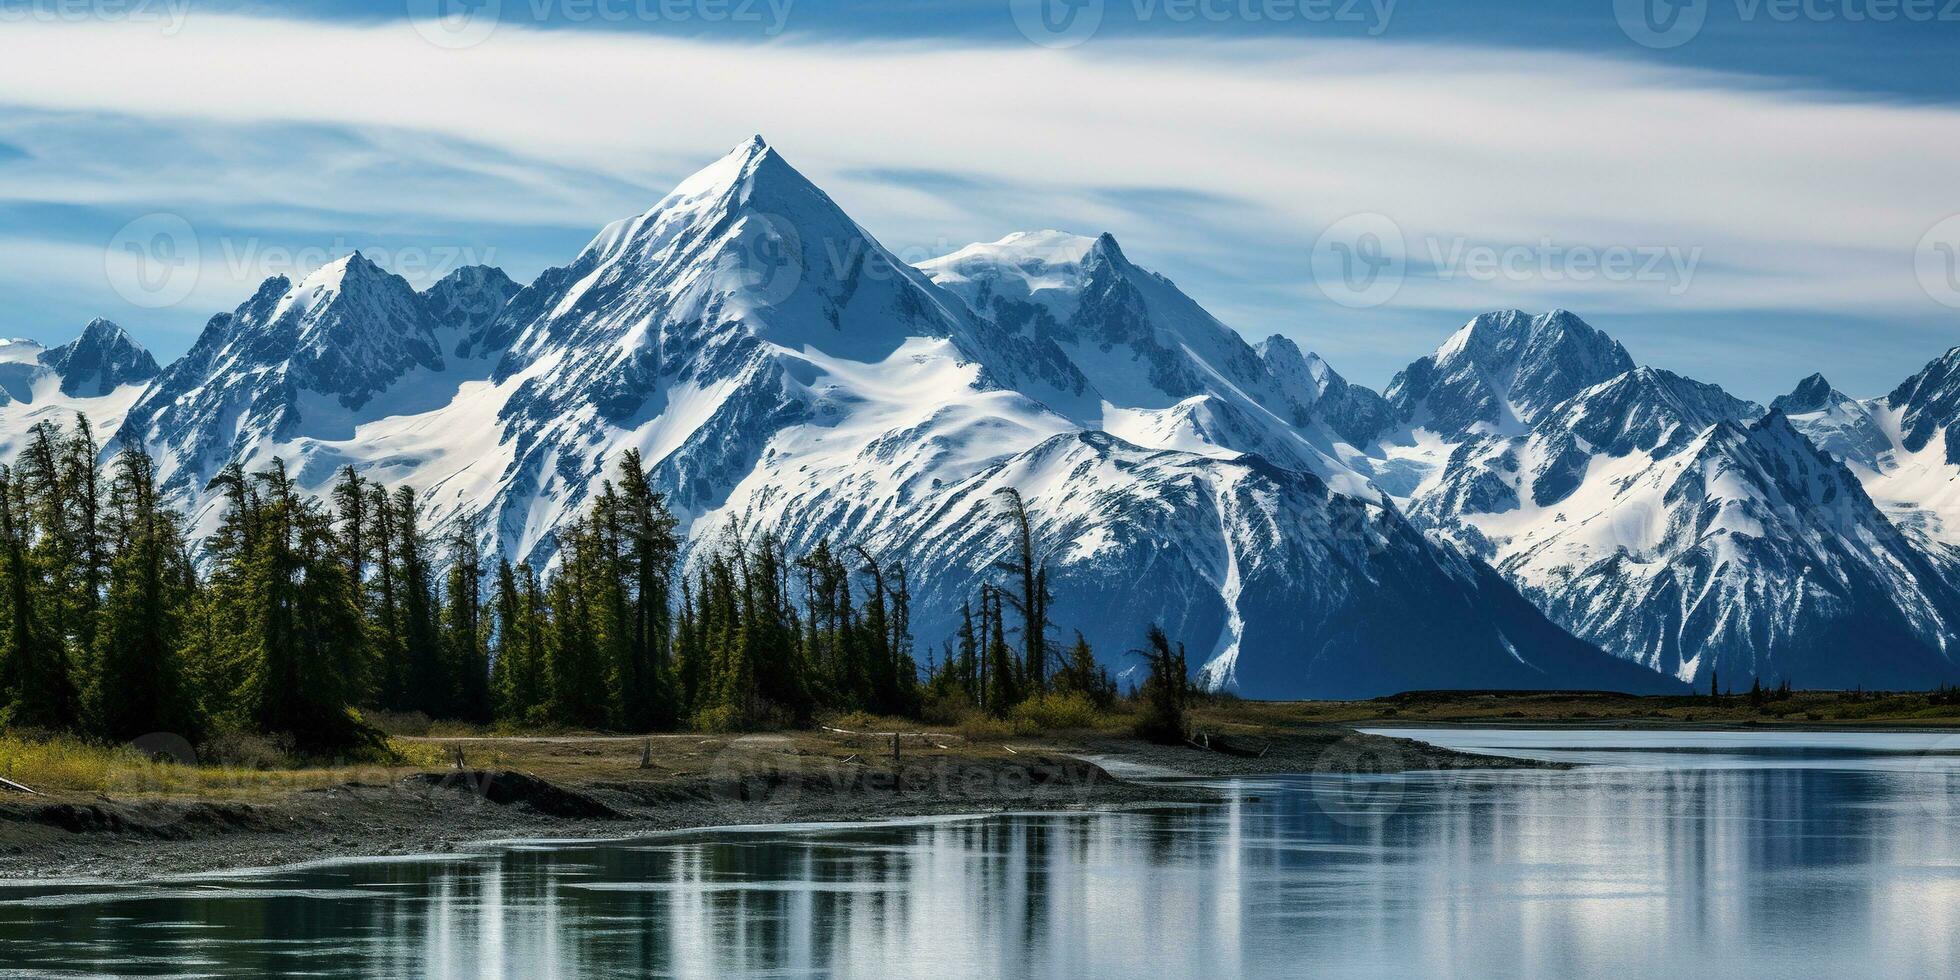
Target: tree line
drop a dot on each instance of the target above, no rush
(303, 611)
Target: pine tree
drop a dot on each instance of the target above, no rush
(430, 686)
(1003, 690)
(387, 640)
(351, 509)
(140, 684)
(650, 545)
(36, 685)
(465, 647)
(301, 625)
(1082, 675)
(969, 653)
(80, 481)
(1164, 690)
(1031, 575)
(579, 694)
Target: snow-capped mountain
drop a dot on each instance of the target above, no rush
(779, 368)
(1497, 373)
(1898, 446)
(98, 375)
(1120, 349)
(100, 361)
(298, 370)
(1678, 526)
(1314, 391)
(1835, 422)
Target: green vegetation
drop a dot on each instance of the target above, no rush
(1766, 707)
(307, 621)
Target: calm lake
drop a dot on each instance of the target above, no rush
(1711, 854)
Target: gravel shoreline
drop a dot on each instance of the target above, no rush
(94, 838)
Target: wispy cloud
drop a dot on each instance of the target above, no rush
(1219, 162)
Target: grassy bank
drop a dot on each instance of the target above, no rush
(1816, 709)
(118, 813)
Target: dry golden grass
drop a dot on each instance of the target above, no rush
(62, 764)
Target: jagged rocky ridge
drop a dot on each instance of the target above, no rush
(1304, 535)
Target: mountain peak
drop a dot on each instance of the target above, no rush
(1503, 369)
(1812, 394)
(1646, 409)
(1037, 260)
(99, 361)
(335, 275)
(467, 301)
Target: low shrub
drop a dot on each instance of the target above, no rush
(1054, 711)
(396, 722)
(243, 751)
(980, 727)
(720, 719)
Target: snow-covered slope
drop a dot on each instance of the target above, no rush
(1898, 446)
(1835, 422)
(1916, 478)
(777, 367)
(1497, 373)
(1678, 526)
(97, 375)
(1121, 349)
(298, 370)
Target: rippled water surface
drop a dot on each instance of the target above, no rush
(1669, 855)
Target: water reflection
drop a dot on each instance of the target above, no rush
(1634, 871)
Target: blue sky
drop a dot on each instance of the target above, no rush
(1759, 191)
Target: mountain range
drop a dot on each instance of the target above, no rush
(1527, 507)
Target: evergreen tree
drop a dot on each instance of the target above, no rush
(1165, 690)
(36, 684)
(579, 694)
(351, 508)
(650, 547)
(386, 638)
(1003, 687)
(465, 642)
(1082, 675)
(300, 623)
(81, 482)
(1032, 600)
(969, 652)
(139, 684)
(431, 687)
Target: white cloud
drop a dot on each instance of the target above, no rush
(1794, 200)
